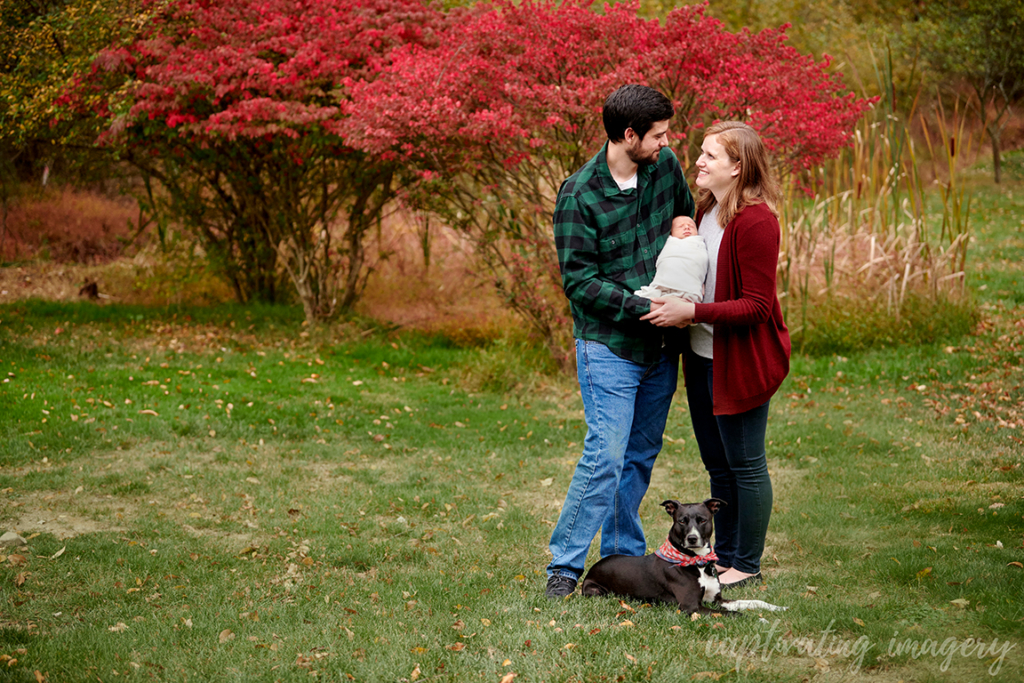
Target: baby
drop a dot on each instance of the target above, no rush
(682, 264)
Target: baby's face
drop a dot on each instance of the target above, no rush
(682, 229)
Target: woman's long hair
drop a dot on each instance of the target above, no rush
(756, 182)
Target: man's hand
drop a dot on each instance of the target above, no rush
(670, 312)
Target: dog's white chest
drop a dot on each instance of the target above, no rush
(709, 584)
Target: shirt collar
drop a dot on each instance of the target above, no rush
(608, 182)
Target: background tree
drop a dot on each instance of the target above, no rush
(979, 43)
(232, 111)
(43, 44)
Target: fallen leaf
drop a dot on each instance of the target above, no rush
(19, 580)
(507, 678)
(569, 646)
(456, 647)
(415, 673)
(706, 674)
(459, 625)
(630, 657)
(16, 560)
(622, 603)
(627, 622)
(149, 412)
(924, 573)
(1015, 564)
(225, 636)
(546, 482)
(118, 627)
(58, 553)
(857, 621)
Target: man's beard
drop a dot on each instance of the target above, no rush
(640, 160)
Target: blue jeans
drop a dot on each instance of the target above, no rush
(732, 448)
(625, 405)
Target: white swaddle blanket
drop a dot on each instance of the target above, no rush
(682, 266)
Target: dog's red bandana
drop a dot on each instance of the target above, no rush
(668, 552)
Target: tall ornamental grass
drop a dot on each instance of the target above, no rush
(877, 254)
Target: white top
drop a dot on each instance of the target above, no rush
(626, 184)
(702, 335)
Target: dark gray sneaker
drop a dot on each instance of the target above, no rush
(559, 587)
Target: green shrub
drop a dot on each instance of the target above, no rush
(845, 325)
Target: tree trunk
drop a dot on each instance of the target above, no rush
(3, 224)
(997, 161)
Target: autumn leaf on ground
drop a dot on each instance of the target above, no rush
(118, 627)
(456, 647)
(961, 603)
(507, 678)
(225, 636)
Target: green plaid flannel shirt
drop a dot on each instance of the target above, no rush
(608, 241)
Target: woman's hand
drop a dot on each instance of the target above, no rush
(670, 312)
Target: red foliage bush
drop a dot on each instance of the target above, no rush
(508, 104)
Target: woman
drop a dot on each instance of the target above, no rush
(739, 346)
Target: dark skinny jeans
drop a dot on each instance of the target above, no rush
(732, 449)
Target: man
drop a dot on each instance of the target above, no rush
(612, 218)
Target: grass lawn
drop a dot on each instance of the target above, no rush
(220, 494)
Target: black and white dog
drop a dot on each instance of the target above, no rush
(681, 571)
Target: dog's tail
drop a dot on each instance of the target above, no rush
(744, 605)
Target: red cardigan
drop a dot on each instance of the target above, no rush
(751, 343)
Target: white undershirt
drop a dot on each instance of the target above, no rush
(702, 335)
(629, 184)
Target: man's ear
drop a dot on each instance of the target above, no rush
(630, 135)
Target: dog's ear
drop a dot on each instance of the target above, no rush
(713, 504)
(670, 507)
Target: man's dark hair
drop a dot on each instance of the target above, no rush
(637, 107)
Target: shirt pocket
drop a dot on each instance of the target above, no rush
(616, 251)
